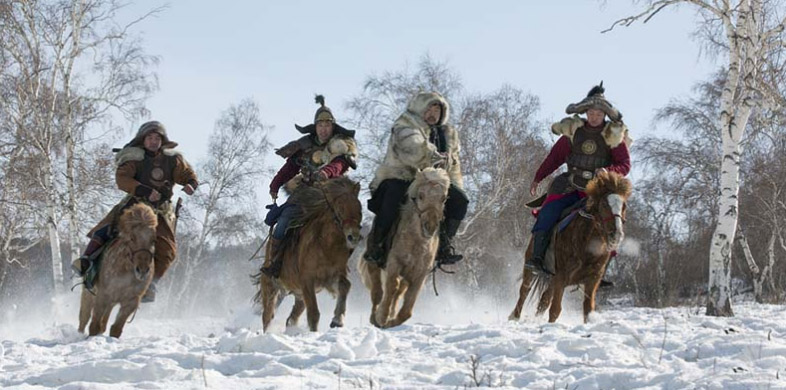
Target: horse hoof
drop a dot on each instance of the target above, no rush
(336, 324)
(513, 317)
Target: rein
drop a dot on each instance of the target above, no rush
(336, 217)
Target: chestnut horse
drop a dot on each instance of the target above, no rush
(583, 249)
(126, 269)
(412, 251)
(316, 255)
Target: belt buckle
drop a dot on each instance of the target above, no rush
(586, 175)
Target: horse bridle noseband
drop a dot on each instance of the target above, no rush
(148, 250)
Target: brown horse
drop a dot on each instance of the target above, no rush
(583, 249)
(412, 252)
(316, 257)
(125, 273)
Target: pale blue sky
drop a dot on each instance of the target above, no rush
(216, 53)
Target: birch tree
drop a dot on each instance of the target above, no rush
(229, 179)
(69, 66)
(749, 34)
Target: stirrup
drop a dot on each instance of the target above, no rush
(449, 258)
(79, 267)
(538, 268)
(374, 257)
(273, 270)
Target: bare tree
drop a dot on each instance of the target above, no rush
(68, 65)
(385, 97)
(229, 176)
(501, 148)
(750, 34)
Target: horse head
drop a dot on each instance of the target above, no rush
(137, 227)
(429, 192)
(608, 193)
(342, 197)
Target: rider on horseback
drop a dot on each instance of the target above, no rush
(147, 169)
(587, 146)
(326, 151)
(420, 138)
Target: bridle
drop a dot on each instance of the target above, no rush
(134, 252)
(336, 217)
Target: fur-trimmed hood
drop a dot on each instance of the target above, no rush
(409, 148)
(614, 133)
(417, 107)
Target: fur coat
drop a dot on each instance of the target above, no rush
(409, 149)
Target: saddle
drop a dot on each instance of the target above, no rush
(91, 276)
(566, 217)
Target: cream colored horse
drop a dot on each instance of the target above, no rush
(411, 255)
(125, 274)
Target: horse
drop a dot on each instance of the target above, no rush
(582, 251)
(412, 252)
(126, 270)
(315, 256)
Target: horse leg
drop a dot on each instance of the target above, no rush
(85, 309)
(269, 299)
(101, 310)
(297, 310)
(312, 310)
(341, 302)
(526, 285)
(375, 276)
(556, 302)
(403, 285)
(590, 290)
(126, 309)
(388, 294)
(411, 295)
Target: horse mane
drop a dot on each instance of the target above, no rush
(136, 218)
(428, 175)
(608, 182)
(312, 199)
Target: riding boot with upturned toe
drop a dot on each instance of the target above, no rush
(273, 268)
(150, 293)
(375, 253)
(539, 246)
(446, 253)
(82, 264)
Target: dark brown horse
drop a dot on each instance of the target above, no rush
(126, 272)
(583, 249)
(316, 257)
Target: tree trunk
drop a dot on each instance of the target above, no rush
(58, 280)
(719, 298)
(760, 276)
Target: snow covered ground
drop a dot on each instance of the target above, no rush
(449, 344)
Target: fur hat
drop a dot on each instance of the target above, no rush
(152, 127)
(595, 99)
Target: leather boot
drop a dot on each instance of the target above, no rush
(375, 253)
(539, 246)
(150, 293)
(273, 268)
(446, 254)
(83, 263)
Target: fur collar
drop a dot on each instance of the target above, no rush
(136, 153)
(614, 132)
